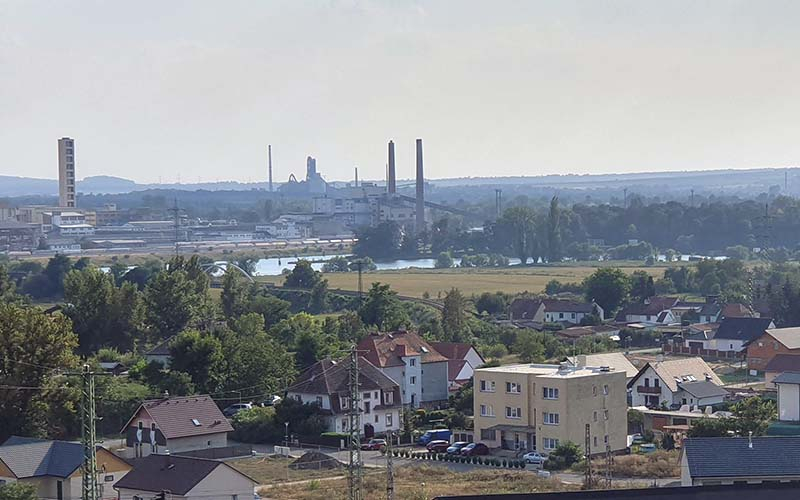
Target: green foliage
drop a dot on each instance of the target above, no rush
(201, 356)
(554, 287)
(443, 261)
(517, 228)
(382, 308)
(318, 302)
(484, 260)
(453, 316)
(536, 347)
(30, 343)
(642, 286)
(608, 287)
(177, 297)
(383, 241)
(754, 414)
(710, 427)
(554, 231)
(302, 276)
(493, 304)
(494, 351)
(17, 491)
(566, 455)
(234, 296)
(271, 308)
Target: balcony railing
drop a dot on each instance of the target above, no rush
(641, 389)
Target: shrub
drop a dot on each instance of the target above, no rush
(504, 462)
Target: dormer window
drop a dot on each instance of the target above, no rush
(195, 422)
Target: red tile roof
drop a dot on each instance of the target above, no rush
(454, 367)
(452, 350)
(173, 416)
(387, 349)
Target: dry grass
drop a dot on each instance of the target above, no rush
(408, 484)
(415, 282)
(659, 464)
(267, 470)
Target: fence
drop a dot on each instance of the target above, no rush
(218, 453)
(703, 353)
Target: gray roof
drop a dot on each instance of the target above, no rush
(732, 457)
(787, 378)
(702, 389)
(172, 473)
(28, 457)
(744, 329)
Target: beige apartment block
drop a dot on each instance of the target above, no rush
(538, 407)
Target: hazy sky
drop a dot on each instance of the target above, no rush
(163, 88)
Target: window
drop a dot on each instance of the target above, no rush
(513, 412)
(646, 382)
(573, 315)
(140, 425)
(605, 389)
(488, 434)
(343, 402)
(388, 398)
(594, 416)
(376, 394)
(487, 411)
(388, 420)
(487, 386)
(319, 401)
(656, 383)
(774, 345)
(605, 439)
(413, 380)
(195, 422)
(595, 441)
(376, 418)
(549, 393)
(366, 406)
(344, 425)
(413, 362)
(367, 395)
(550, 443)
(550, 418)
(109, 478)
(605, 414)
(234, 497)
(594, 389)
(512, 387)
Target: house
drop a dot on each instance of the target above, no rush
(54, 467)
(408, 359)
(781, 363)
(326, 384)
(176, 424)
(569, 311)
(771, 343)
(676, 382)
(709, 312)
(184, 478)
(788, 384)
(710, 461)
(700, 336)
(462, 359)
(614, 360)
(737, 310)
(113, 367)
(527, 309)
(574, 333)
(651, 312)
(675, 422)
(734, 334)
(537, 407)
(160, 353)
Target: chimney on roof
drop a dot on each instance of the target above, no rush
(166, 394)
(750, 440)
(400, 350)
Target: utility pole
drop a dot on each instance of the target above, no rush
(354, 427)
(389, 467)
(609, 464)
(498, 202)
(625, 198)
(89, 487)
(588, 480)
(692, 202)
(175, 214)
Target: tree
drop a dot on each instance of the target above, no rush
(554, 231)
(453, 316)
(55, 271)
(256, 360)
(754, 415)
(234, 294)
(382, 308)
(302, 276)
(642, 286)
(337, 264)
(318, 302)
(17, 491)
(171, 302)
(529, 347)
(288, 331)
(710, 427)
(382, 241)
(7, 285)
(443, 261)
(564, 456)
(491, 303)
(201, 356)
(517, 227)
(32, 342)
(608, 287)
(271, 308)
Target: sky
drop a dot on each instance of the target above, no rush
(156, 90)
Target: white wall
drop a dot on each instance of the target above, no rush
(473, 359)
(638, 399)
(218, 440)
(312, 399)
(789, 402)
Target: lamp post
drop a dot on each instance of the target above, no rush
(286, 434)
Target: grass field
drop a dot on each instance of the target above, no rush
(415, 282)
(421, 482)
(268, 470)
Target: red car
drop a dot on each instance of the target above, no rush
(474, 449)
(438, 446)
(374, 444)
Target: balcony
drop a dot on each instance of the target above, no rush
(648, 390)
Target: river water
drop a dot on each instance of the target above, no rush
(274, 266)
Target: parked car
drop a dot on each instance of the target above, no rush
(236, 408)
(535, 458)
(455, 448)
(474, 449)
(645, 448)
(438, 446)
(442, 434)
(374, 444)
(271, 401)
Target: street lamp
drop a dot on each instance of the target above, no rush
(286, 434)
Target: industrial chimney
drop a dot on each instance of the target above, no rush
(391, 180)
(420, 211)
(270, 167)
(356, 176)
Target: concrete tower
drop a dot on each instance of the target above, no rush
(66, 172)
(420, 210)
(391, 178)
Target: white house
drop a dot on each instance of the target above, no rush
(653, 311)
(184, 478)
(462, 360)
(569, 311)
(676, 382)
(405, 357)
(283, 228)
(735, 333)
(176, 424)
(326, 384)
(788, 384)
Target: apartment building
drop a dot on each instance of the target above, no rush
(538, 406)
(66, 172)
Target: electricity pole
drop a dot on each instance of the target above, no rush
(389, 467)
(588, 480)
(176, 215)
(354, 426)
(89, 487)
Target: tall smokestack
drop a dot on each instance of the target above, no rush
(420, 211)
(356, 176)
(391, 179)
(269, 148)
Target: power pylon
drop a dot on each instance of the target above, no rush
(389, 467)
(588, 480)
(89, 486)
(354, 427)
